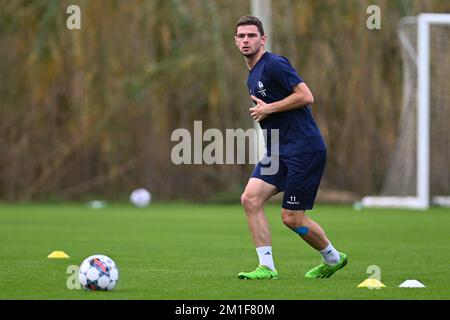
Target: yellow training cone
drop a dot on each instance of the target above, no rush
(58, 255)
(371, 284)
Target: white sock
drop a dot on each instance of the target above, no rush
(330, 255)
(265, 256)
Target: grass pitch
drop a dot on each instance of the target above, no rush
(186, 251)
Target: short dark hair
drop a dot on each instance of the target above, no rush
(249, 21)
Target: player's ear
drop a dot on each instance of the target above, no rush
(264, 39)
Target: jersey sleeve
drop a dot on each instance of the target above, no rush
(284, 73)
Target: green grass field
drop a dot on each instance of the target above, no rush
(186, 251)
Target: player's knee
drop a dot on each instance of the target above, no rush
(250, 202)
(292, 218)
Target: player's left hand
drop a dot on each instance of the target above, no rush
(260, 111)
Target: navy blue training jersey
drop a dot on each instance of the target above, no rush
(273, 79)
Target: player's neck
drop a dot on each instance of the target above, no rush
(253, 60)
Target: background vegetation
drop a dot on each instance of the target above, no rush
(90, 112)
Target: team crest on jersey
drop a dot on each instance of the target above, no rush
(261, 90)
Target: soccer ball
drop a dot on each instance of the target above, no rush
(140, 197)
(98, 272)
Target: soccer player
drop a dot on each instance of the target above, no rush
(282, 102)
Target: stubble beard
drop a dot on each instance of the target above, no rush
(251, 54)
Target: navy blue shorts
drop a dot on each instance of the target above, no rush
(298, 176)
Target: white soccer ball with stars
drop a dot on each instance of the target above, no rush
(140, 197)
(98, 272)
